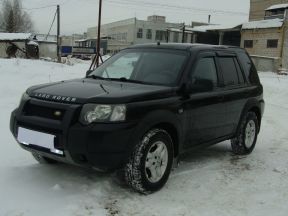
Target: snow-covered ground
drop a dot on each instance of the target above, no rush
(209, 182)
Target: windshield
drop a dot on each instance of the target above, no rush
(144, 66)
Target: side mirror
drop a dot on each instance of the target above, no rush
(88, 72)
(201, 85)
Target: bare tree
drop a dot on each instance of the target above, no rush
(14, 18)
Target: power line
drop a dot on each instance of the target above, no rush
(46, 6)
(175, 7)
(51, 26)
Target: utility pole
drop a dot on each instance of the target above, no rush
(99, 34)
(58, 34)
(183, 33)
(167, 36)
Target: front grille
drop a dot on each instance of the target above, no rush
(44, 112)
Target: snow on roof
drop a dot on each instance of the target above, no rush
(174, 30)
(271, 23)
(278, 6)
(81, 40)
(206, 28)
(33, 43)
(14, 36)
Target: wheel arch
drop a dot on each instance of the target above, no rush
(172, 131)
(257, 111)
(252, 105)
(161, 119)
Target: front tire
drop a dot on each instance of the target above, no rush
(43, 160)
(150, 164)
(245, 141)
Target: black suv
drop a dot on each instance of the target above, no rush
(142, 109)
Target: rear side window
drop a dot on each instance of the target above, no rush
(249, 68)
(229, 70)
(240, 74)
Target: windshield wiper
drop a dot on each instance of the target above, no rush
(121, 79)
(96, 77)
(124, 79)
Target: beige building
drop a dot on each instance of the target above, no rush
(265, 37)
(258, 7)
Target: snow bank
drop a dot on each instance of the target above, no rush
(207, 183)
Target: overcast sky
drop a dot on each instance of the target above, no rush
(78, 15)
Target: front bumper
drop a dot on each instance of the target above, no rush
(100, 146)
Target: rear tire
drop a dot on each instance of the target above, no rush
(150, 163)
(43, 160)
(245, 141)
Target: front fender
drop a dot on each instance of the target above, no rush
(151, 120)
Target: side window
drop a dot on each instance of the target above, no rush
(229, 71)
(240, 74)
(205, 74)
(249, 69)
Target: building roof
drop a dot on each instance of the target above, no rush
(263, 24)
(15, 36)
(205, 28)
(278, 6)
(221, 27)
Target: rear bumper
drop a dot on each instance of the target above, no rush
(100, 146)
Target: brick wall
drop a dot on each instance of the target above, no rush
(260, 37)
(257, 8)
(285, 48)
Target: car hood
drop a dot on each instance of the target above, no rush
(98, 91)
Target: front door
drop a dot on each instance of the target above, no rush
(204, 105)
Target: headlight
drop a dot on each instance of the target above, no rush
(102, 113)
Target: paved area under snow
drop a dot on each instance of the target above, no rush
(209, 182)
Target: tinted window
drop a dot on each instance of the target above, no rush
(205, 72)
(123, 67)
(229, 70)
(249, 69)
(148, 66)
(240, 74)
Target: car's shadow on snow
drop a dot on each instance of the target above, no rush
(212, 156)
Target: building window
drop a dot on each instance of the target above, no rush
(248, 43)
(272, 43)
(158, 36)
(149, 34)
(176, 37)
(161, 35)
(140, 33)
(186, 38)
